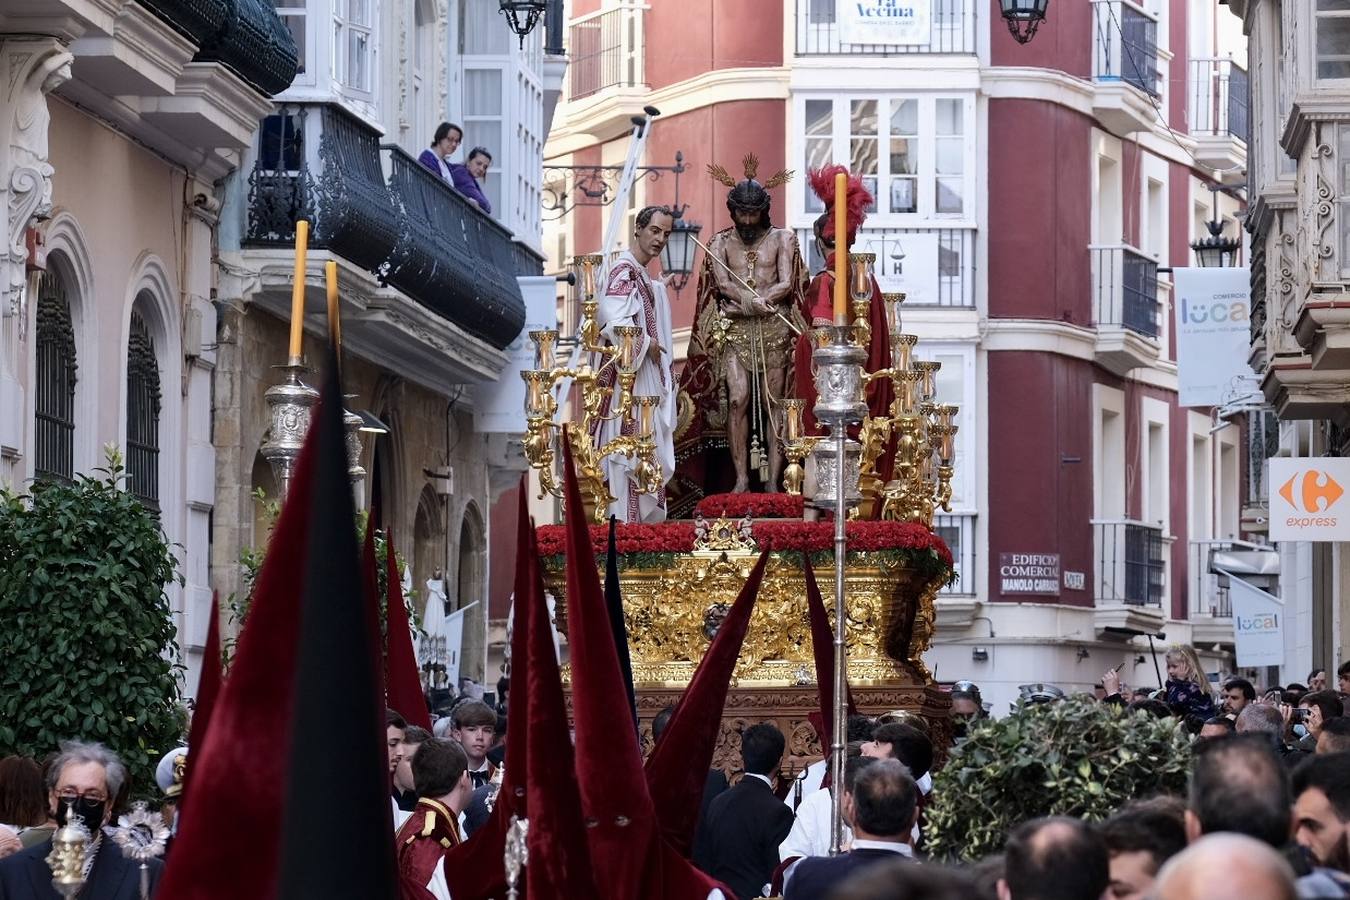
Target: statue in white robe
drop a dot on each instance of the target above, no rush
(630, 297)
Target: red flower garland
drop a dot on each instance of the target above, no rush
(757, 506)
(799, 536)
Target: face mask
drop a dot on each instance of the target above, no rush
(90, 811)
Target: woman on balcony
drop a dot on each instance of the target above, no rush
(445, 142)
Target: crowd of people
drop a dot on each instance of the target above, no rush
(1266, 815)
(464, 177)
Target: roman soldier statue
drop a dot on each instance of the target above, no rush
(739, 365)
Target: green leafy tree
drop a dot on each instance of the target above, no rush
(1070, 758)
(88, 638)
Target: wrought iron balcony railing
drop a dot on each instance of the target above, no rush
(245, 36)
(1208, 593)
(1217, 101)
(607, 50)
(951, 30)
(953, 282)
(1131, 568)
(320, 163)
(451, 257)
(1126, 45)
(1125, 289)
(959, 533)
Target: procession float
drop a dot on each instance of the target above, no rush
(836, 470)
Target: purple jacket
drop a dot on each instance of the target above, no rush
(428, 158)
(467, 185)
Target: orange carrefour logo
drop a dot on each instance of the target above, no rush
(1319, 491)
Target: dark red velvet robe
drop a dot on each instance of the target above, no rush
(431, 830)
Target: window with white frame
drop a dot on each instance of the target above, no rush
(912, 151)
(354, 45)
(1333, 38)
(483, 119)
(292, 14)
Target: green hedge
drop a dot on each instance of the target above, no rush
(87, 642)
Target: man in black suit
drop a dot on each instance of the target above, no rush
(739, 841)
(882, 808)
(84, 779)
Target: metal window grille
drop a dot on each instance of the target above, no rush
(54, 433)
(143, 404)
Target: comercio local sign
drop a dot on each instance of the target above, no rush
(1028, 573)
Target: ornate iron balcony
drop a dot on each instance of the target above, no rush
(245, 36)
(415, 233)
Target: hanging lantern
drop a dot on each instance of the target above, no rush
(1023, 17)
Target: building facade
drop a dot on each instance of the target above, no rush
(117, 121)
(1027, 197)
(1297, 176)
(432, 289)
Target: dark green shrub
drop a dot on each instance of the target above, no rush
(1073, 758)
(86, 632)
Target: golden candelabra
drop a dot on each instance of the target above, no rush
(604, 373)
(918, 434)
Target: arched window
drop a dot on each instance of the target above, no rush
(143, 403)
(54, 435)
(470, 581)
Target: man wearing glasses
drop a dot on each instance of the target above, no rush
(84, 780)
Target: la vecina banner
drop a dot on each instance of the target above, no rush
(884, 21)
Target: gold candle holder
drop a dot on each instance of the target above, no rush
(946, 412)
(628, 336)
(544, 342)
(893, 301)
(646, 410)
(792, 418)
(860, 275)
(862, 328)
(906, 386)
(585, 267)
(927, 379)
(536, 386)
(902, 350)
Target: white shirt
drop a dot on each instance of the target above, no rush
(893, 846)
(810, 834)
(763, 778)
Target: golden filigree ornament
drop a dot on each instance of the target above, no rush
(672, 611)
(918, 432)
(723, 536)
(750, 166)
(604, 378)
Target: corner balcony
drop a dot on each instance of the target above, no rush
(606, 78)
(951, 29)
(1217, 97)
(1124, 67)
(429, 284)
(1209, 603)
(1129, 578)
(187, 79)
(1124, 308)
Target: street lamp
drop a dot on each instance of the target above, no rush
(677, 257)
(523, 15)
(1215, 251)
(1023, 17)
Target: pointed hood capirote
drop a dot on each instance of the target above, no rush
(474, 870)
(405, 685)
(822, 650)
(560, 865)
(629, 856)
(678, 767)
(208, 690)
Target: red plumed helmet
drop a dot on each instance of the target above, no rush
(857, 199)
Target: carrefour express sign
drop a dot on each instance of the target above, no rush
(1307, 499)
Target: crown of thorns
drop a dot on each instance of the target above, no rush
(751, 167)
